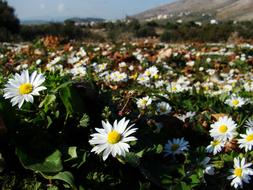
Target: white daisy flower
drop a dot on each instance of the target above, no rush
(23, 87)
(78, 70)
(38, 62)
(131, 67)
(208, 168)
(81, 52)
(249, 123)
(143, 79)
(215, 146)
(224, 129)
(163, 108)
(248, 86)
(160, 83)
(190, 63)
(247, 140)
(73, 59)
(208, 60)
(241, 173)
(188, 114)
(228, 88)
(235, 101)
(122, 64)
(113, 139)
(99, 67)
(175, 87)
(176, 146)
(118, 77)
(55, 60)
(151, 71)
(143, 103)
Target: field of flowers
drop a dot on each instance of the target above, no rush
(127, 116)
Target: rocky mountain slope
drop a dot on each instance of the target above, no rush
(219, 9)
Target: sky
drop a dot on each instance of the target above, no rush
(58, 9)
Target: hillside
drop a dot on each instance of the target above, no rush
(200, 9)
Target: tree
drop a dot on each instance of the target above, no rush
(145, 31)
(9, 23)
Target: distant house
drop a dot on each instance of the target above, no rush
(213, 21)
(179, 21)
(85, 21)
(198, 23)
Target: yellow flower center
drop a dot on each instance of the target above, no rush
(235, 102)
(249, 138)
(163, 109)
(206, 88)
(238, 172)
(144, 102)
(25, 88)
(148, 73)
(135, 76)
(113, 137)
(174, 88)
(174, 147)
(223, 128)
(215, 143)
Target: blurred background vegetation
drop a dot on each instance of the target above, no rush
(121, 30)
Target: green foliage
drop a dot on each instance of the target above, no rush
(9, 23)
(66, 31)
(190, 32)
(51, 164)
(146, 31)
(84, 122)
(45, 144)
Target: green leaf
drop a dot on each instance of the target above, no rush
(72, 152)
(57, 114)
(81, 188)
(132, 159)
(84, 157)
(144, 186)
(227, 157)
(72, 99)
(2, 163)
(159, 149)
(84, 122)
(140, 154)
(184, 186)
(52, 188)
(64, 85)
(218, 164)
(49, 121)
(66, 177)
(195, 180)
(48, 100)
(37, 186)
(65, 95)
(50, 164)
